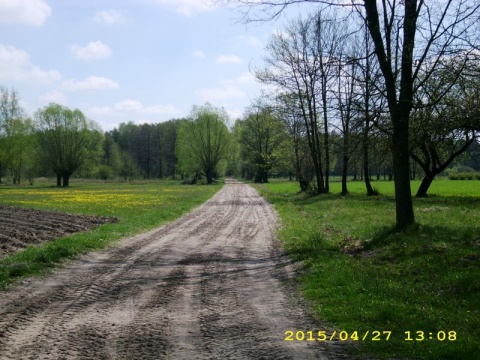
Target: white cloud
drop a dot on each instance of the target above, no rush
(135, 106)
(90, 83)
(251, 41)
(214, 94)
(30, 12)
(15, 65)
(92, 51)
(132, 110)
(101, 110)
(188, 7)
(53, 96)
(199, 54)
(229, 59)
(129, 105)
(110, 17)
(246, 78)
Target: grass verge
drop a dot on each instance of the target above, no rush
(138, 207)
(362, 276)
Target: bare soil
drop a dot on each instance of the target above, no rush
(211, 285)
(21, 227)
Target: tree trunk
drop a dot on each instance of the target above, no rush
(66, 180)
(344, 175)
(425, 185)
(401, 172)
(366, 164)
(320, 186)
(327, 158)
(368, 184)
(59, 180)
(209, 176)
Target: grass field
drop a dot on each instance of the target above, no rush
(361, 276)
(139, 207)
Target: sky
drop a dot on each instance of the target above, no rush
(144, 61)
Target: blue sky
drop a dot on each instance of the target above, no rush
(119, 60)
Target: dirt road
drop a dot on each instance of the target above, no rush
(207, 286)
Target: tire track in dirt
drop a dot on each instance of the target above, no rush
(206, 286)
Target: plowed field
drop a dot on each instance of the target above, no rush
(21, 227)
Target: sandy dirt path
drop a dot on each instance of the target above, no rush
(207, 286)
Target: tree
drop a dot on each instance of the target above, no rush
(21, 144)
(298, 153)
(68, 140)
(128, 167)
(111, 154)
(261, 135)
(203, 141)
(411, 41)
(12, 129)
(293, 65)
(445, 130)
(369, 104)
(347, 79)
(236, 165)
(441, 30)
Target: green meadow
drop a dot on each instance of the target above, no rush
(422, 284)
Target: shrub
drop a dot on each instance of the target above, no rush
(464, 176)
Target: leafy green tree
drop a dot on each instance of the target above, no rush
(21, 148)
(105, 172)
(235, 163)
(32, 156)
(261, 135)
(11, 130)
(68, 140)
(203, 141)
(443, 131)
(129, 168)
(111, 154)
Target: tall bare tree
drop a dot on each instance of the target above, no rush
(302, 60)
(287, 108)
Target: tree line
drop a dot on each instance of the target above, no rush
(271, 139)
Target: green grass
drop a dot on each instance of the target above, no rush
(426, 278)
(139, 207)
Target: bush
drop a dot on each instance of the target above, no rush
(464, 175)
(105, 172)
